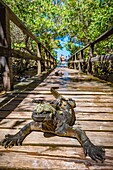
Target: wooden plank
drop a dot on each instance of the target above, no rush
(37, 138)
(13, 123)
(86, 125)
(77, 88)
(80, 115)
(79, 95)
(29, 107)
(94, 116)
(95, 109)
(68, 93)
(100, 126)
(79, 99)
(94, 104)
(37, 157)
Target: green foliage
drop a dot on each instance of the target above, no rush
(103, 70)
(81, 20)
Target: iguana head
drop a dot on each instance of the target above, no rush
(71, 102)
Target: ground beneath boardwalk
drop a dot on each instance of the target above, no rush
(94, 113)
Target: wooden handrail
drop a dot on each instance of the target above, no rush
(91, 45)
(100, 38)
(107, 57)
(5, 50)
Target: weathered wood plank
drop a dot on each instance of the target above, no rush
(37, 138)
(70, 93)
(85, 125)
(35, 157)
(78, 109)
(22, 96)
(94, 116)
(95, 109)
(80, 115)
(76, 97)
(77, 87)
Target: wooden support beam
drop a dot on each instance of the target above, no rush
(17, 54)
(46, 60)
(90, 56)
(80, 63)
(75, 66)
(5, 60)
(39, 56)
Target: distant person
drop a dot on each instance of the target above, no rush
(62, 59)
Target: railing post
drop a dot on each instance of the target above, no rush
(45, 60)
(81, 57)
(73, 59)
(75, 67)
(68, 63)
(80, 64)
(52, 62)
(90, 56)
(5, 61)
(49, 63)
(39, 61)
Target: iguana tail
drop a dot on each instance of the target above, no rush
(56, 94)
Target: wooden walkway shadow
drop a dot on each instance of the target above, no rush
(94, 112)
(11, 100)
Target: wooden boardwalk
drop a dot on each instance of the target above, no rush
(94, 114)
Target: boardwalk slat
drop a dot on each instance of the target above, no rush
(32, 157)
(37, 138)
(85, 125)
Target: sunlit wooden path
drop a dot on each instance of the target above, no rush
(94, 114)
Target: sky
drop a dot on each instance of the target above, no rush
(63, 50)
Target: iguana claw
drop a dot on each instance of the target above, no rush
(95, 152)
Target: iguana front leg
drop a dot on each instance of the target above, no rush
(17, 139)
(95, 152)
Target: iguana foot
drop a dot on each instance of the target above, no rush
(95, 152)
(11, 140)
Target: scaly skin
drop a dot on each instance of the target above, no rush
(57, 118)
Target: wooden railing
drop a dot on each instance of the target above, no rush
(40, 54)
(80, 62)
